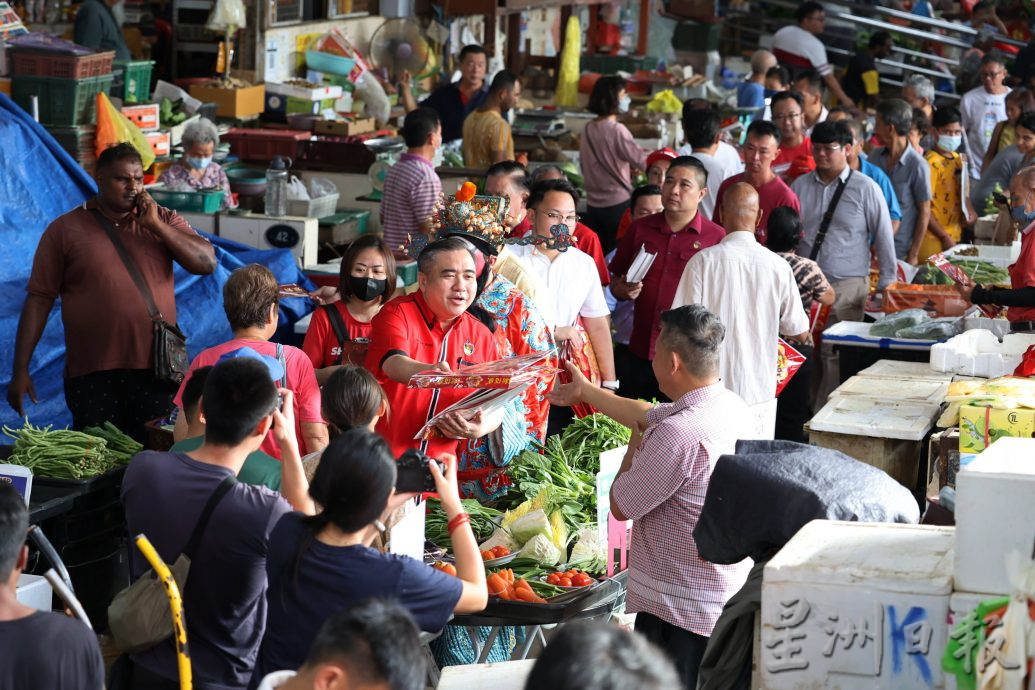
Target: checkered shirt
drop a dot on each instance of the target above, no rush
(663, 492)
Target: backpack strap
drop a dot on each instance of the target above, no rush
(206, 513)
(339, 328)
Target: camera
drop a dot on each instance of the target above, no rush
(413, 474)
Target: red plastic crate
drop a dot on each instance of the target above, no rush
(37, 63)
(264, 144)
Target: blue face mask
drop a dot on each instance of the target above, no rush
(199, 163)
(1021, 215)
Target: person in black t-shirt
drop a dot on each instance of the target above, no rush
(864, 61)
(38, 649)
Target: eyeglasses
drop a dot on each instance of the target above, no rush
(825, 148)
(992, 75)
(557, 218)
(786, 116)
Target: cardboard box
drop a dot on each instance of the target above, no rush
(160, 143)
(289, 105)
(936, 300)
(342, 128)
(982, 426)
(321, 93)
(143, 116)
(243, 102)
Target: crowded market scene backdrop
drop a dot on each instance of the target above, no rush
(410, 344)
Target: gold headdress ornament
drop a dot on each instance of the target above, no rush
(481, 219)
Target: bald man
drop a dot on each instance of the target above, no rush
(753, 292)
(751, 91)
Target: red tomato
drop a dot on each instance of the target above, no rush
(553, 579)
(565, 582)
(581, 580)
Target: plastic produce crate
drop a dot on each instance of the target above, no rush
(74, 138)
(38, 63)
(263, 144)
(65, 102)
(206, 201)
(132, 80)
(320, 207)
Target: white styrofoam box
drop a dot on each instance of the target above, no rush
(994, 254)
(857, 605)
(887, 418)
(979, 353)
(34, 591)
(300, 235)
(998, 327)
(895, 369)
(907, 390)
(506, 675)
(995, 513)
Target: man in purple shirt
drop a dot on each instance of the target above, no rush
(674, 237)
(412, 187)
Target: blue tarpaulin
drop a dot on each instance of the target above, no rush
(39, 181)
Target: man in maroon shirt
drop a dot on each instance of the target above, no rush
(108, 333)
(760, 149)
(674, 237)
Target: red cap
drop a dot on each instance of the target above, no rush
(660, 154)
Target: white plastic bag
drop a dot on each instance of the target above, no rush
(321, 187)
(374, 98)
(227, 14)
(296, 191)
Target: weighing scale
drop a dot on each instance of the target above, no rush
(387, 151)
(543, 123)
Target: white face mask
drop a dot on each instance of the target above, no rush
(623, 104)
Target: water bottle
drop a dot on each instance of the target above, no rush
(276, 186)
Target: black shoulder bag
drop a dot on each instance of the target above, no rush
(340, 330)
(170, 344)
(824, 224)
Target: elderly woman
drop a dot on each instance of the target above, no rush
(196, 168)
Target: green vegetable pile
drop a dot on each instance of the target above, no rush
(66, 454)
(982, 272)
(170, 112)
(121, 447)
(483, 521)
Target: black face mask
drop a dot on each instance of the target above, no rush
(366, 289)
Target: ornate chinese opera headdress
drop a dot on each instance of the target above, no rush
(480, 219)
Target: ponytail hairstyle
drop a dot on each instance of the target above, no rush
(352, 485)
(351, 399)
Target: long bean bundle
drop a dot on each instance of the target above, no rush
(61, 454)
(483, 521)
(121, 447)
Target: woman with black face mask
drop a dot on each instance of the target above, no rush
(340, 332)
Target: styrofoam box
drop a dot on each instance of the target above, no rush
(866, 416)
(995, 513)
(34, 591)
(994, 254)
(979, 353)
(960, 604)
(895, 369)
(853, 605)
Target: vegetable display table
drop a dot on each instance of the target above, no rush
(599, 601)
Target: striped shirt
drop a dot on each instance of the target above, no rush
(663, 492)
(411, 189)
(485, 133)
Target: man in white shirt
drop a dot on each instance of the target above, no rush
(570, 276)
(982, 109)
(702, 129)
(798, 49)
(754, 294)
(810, 85)
(373, 644)
(725, 154)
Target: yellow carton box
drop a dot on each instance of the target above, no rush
(981, 426)
(242, 102)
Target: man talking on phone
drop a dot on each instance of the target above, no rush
(109, 361)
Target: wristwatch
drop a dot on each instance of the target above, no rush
(610, 385)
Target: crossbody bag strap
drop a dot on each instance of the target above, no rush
(131, 266)
(824, 224)
(614, 176)
(283, 363)
(206, 513)
(339, 328)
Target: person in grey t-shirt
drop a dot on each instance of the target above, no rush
(38, 649)
(909, 172)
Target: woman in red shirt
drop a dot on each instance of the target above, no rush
(339, 333)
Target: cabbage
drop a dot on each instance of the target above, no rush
(541, 550)
(590, 553)
(500, 538)
(528, 526)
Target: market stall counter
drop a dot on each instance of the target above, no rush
(597, 602)
(858, 349)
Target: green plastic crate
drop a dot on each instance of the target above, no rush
(204, 201)
(62, 102)
(133, 80)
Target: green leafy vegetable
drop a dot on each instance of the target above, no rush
(483, 521)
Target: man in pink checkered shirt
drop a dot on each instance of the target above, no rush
(661, 485)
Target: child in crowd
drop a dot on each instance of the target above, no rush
(945, 226)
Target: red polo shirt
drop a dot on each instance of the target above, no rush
(673, 250)
(1022, 275)
(586, 239)
(406, 326)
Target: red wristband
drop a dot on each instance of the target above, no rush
(460, 519)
